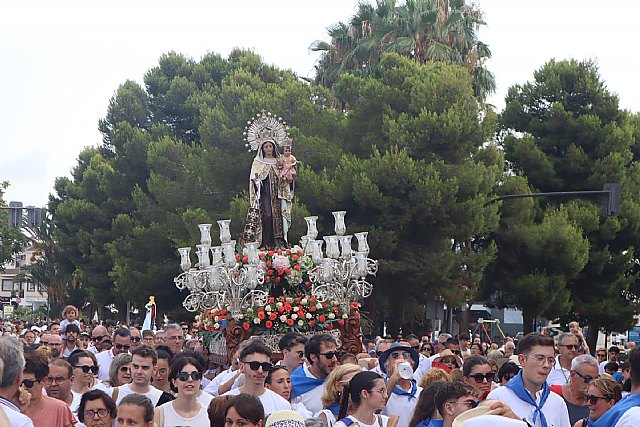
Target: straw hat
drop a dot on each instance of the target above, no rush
(285, 418)
(478, 417)
(448, 353)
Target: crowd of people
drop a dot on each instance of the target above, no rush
(65, 374)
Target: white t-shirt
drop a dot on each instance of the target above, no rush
(554, 409)
(75, 402)
(104, 359)
(16, 419)
(380, 421)
(311, 399)
(631, 418)
(271, 401)
(171, 417)
(153, 393)
(204, 399)
(558, 374)
(402, 406)
(220, 379)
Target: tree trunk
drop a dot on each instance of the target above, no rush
(592, 337)
(527, 320)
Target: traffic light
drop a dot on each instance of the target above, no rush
(15, 214)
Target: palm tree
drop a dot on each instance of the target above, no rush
(424, 30)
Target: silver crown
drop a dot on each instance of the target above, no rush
(266, 127)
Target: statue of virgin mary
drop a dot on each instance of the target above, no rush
(270, 198)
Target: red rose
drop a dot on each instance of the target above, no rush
(290, 322)
(261, 315)
(280, 309)
(297, 267)
(246, 326)
(273, 316)
(237, 257)
(267, 278)
(279, 251)
(223, 312)
(312, 308)
(295, 257)
(322, 319)
(335, 309)
(300, 252)
(301, 314)
(270, 300)
(245, 259)
(324, 305)
(297, 300)
(270, 253)
(341, 322)
(277, 279)
(261, 255)
(280, 272)
(287, 271)
(330, 327)
(313, 299)
(269, 263)
(288, 252)
(270, 272)
(287, 306)
(312, 323)
(268, 324)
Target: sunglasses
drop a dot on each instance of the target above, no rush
(86, 369)
(266, 366)
(121, 346)
(489, 376)
(135, 339)
(601, 355)
(28, 383)
(592, 400)
(99, 338)
(300, 354)
(416, 347)
(329, 354)
(125, 369)
(448, 361)
(44, 342)
(586, 379)
(404, 354)
(570, 346)
(195, 375)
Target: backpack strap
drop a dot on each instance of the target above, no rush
(114, 395)
(160, 422)
(393, 420)
(347, 421)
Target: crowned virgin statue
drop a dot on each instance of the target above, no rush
(271, 183)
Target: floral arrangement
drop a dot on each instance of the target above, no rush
(280, 315)
(284, 270)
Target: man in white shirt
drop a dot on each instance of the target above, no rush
(144, 362)
(568, 349)
(307, 381)
(614, 353)
(292, 348)
(11, 367)
(71, 337)
(403, 392)
(255, 364)
(528, 393)
(121, 344)
(98, 334)
(225, 380)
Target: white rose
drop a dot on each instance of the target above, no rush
(283, 318)
(300, 322)
(319, 306)
(215, 318)
(345, 316)
(296, 308)
(256, 321)
(308, 316)
(294, 316)
(267, 308)
(278, 304)
(216, 326)
(289, 300)
(241, 316)
(332, 316)
(304, 301)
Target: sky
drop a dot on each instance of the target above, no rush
(61, 61)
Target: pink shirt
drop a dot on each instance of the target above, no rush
(54, 413)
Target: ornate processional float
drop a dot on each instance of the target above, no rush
(265, 286)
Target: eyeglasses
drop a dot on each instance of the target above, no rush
(586, 379)
(125, 369)
(44, 342)
(592, 400)
(55, 344)
(135, 339)
(28, 383)
(541, 359)
(570, 346)
(300, 354)
(489, 376)
(329, 354)
(396, 355)
(601, 355)
(121, 346)
(416, 347)
(195, 375)
(86, 369)
(266, 366)
(57, 380)
(470, 403)
(101, 413)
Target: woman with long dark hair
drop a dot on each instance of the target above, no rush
(185, 377)
(368, 394)
(426, 407)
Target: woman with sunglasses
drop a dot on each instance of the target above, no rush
(368, 394)
(186, 377)
(119, 375)
(96, 409)
(335, 387)
(602, 394)
(84, 370)
(478, 374)
(427, 350)
(507, 371)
